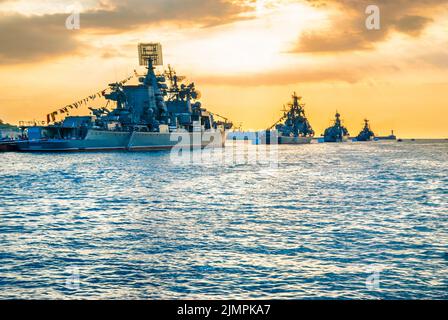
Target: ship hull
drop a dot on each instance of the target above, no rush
(8, 146)
(364, 139)
(126, 141)
(270, 137)
(294, 140)
(336, 139)
(390, 138)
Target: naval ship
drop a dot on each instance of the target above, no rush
(293, 127)
(337, 132)
(158, 113)
(366, 133)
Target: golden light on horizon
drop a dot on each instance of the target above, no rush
(245, 57)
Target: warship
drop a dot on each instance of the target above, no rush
(337, 132)
(158, 113)
(293, 127)
(366, 133)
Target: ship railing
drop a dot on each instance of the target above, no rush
(34, 123)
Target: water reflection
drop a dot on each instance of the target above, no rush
(137, 226)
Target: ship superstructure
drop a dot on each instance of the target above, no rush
(157, 113)
(293, 127)
(366, 133)
(337, 132)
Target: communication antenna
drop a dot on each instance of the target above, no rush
(150, 54)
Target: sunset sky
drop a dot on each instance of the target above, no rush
(246, 57)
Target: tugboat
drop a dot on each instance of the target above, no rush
(148, 116)
(337, 132)
(293, 127)
(366, 133)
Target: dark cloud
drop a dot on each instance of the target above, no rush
(337, 41)
(31, 38)
(349, 32)
(118, 15)
(27, 39)
(412, 25)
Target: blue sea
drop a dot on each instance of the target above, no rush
(318, 221)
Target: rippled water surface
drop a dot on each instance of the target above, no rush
(345, 221)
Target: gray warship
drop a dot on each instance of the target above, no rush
(158, 113)
(337, 132)
(366, 133)
(293, 127)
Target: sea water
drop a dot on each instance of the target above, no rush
(333, 221)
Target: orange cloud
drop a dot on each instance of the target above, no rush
(26, 39)
(348, 31)
(283, 77)
(38, 37)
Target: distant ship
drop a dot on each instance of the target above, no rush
(366, 133)
(337, 132)
(151, 115)
(242, 135)
(389, 137)
(293, 127)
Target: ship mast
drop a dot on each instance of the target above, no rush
(366, 124)
(337, 121)
(294, 122)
